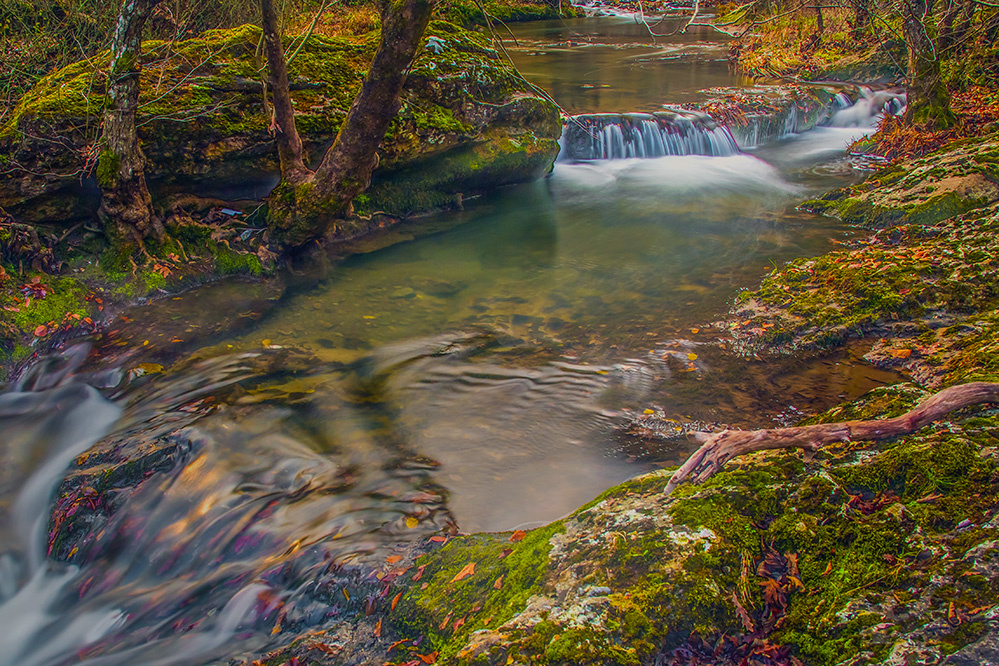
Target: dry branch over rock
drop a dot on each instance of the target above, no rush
(719, 448)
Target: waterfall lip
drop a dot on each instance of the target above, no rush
(672, 131)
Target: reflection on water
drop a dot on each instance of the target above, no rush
(613, 65)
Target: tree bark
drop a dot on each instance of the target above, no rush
(927, 97)
(289, 144)
(346, 168)
(125, 202)
(861, 17)
(719, 448)
(304, 208)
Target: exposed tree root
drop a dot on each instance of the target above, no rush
(719, 448)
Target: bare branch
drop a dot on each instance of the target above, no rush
(721, 447)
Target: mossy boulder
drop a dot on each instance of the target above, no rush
(466, 117)
(953, 180)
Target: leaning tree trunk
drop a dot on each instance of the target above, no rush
(304, 211)
(293, 169)
(125, 202)
(928, 99)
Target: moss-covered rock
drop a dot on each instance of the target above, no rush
(204, 129)
(958, 178)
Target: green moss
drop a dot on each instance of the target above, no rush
(107, 168)
(475, 599)
(229, 262)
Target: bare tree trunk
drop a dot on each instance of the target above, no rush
(861, 17)
(293, 169)
(125, 201)
(820, 23)
(719, 448)
(346, 168)
(303, 210)
(928, 99)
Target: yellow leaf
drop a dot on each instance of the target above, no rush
(692, 356)
(649, 411)
(265, 342)
(695, 330)
(901, 353)
(369, 316)
(411, 522)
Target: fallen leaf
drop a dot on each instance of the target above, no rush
(392, 559)
(797, 583)
(411, 522)
(419, 572)
(458, 624)
(395, 600)
(747, 622)
(438, 539)
(499, 582)
(518, 536)
(506, 553)
(446, 621)
(41, 330)
(397, 644)
(378, 628)
(691, 356)
(428, 658)
(465, 572)
(828, 569)
(901, 353)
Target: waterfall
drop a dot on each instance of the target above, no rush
(608, 136)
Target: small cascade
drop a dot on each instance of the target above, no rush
(869, 105)
(608, 136)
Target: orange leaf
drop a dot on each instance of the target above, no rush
(378, 628)
(518, 536)
(41, 330)
(828, 569)
(458, 624)
(397, 644)
(392, 559)
(465, 572)
(438, 539)
(395, 600)
(419, 572)
(446, 621)
(499, 583)
(428, 658)
(901, 353)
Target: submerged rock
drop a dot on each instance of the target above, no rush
(468, 122)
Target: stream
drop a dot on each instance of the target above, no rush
(476, 378)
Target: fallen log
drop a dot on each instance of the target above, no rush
(718, 448)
